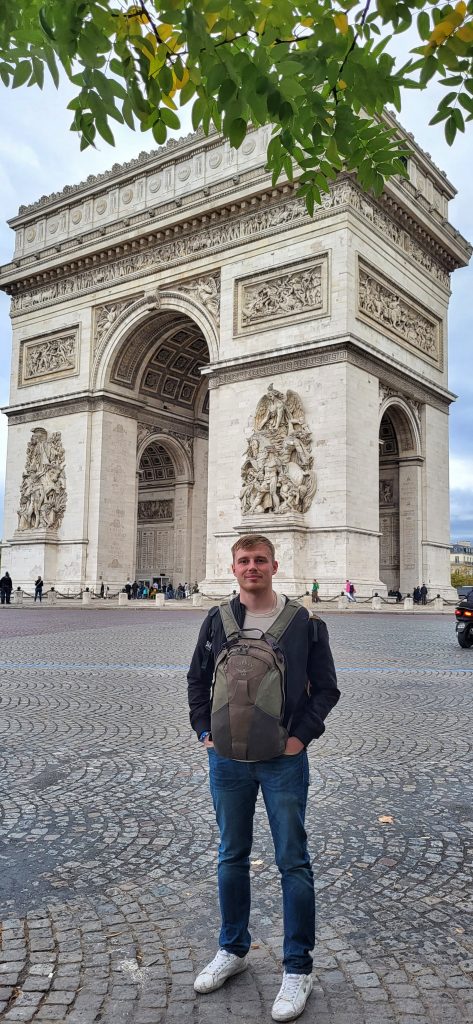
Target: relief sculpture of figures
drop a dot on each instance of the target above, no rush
(277, 471)
(43, 488)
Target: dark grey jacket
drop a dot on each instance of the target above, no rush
(306, 649)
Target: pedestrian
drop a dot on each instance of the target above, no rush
(134, 590)
(38, 589)
(102, 589)
(416, 595)
(252, 750)
(348, 591)
(315, 592)
(6, 585)
(128, 589)
(423, 594)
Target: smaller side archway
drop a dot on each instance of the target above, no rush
(400, 497)
(164, 511)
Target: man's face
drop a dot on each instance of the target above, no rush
(254, 569)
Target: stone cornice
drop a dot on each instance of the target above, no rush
(69, 405)
(343, 348)
(240, 179)
(261, 214)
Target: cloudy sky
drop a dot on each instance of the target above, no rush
(39, 155)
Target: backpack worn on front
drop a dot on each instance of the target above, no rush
(248, 691)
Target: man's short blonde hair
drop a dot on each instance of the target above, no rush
(250, 541)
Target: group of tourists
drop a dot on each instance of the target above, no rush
(420, 594)
(140, 591)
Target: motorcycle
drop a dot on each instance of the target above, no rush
(464, 623)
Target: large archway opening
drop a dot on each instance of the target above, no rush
(158, 365)
(400, 499)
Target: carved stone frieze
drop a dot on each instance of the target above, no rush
(386, 492)
(48, 357)
(233, 230)
(277, 472)
(286, 295)
(206, 291)
(107, 317)
(150, 511)
(398, 314)
(43, 488)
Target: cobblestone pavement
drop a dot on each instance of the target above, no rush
(108, 845)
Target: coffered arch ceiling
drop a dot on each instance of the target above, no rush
(162, 359)
(156, 466)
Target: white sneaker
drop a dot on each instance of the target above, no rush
(292, 996)
(223, 966)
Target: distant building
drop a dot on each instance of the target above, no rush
(461, 557)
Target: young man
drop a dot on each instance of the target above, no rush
(310, 693)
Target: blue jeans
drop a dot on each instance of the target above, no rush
(284, 783)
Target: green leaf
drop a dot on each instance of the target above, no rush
(165, 79)
(197, 112)
(127, 111)
(21, 74)
(423, 25)
(227, 89)
(187, 92)
(105, 131)
(237, 132)
(273, 102)
(466, 102)
(450, 130)
(45, 25)
(458, 118)
(170, 118)
(159, 132)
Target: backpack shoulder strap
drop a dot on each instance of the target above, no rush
(229, 622)
(283, 620)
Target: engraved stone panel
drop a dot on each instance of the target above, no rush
(149, 511)
(48, 357)
(398, 315)
(43, 488)
(277, 472)
(285, 295)
(107, 316)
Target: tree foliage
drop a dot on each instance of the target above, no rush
(319, 72)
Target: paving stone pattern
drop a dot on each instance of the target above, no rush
(108, 845)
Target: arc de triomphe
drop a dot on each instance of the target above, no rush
(194, 357)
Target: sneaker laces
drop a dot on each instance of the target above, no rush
(290, 986)
(221, 959)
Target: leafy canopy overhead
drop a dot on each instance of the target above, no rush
(319, 72)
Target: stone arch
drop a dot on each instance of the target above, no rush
(406, 424)
(131, 315)
(181, 456)
(400, 494)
